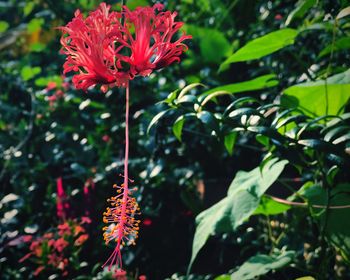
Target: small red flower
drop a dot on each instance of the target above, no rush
(147, 222)
(278, 17)
(50, 86)
(106, 138)
(85, 220)
(81, 239)
(61, 205)
(120, 275)
(60, 244)
(38, 270)
(64, 229)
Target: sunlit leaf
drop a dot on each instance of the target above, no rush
(311, 97)
(177, 127)
(300, 10)
(242, 199)
(262, 82)
(261, 264)
(268, 206)
(28, 72)
(230, 140)
(264, 45)
(340, 44)
(343, 13)
(35, 25)
(3, 26)
(156, 118)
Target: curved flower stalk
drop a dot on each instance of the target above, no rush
(103, 51)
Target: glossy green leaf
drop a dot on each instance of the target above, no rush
(177, 127)
(208, 119)
(28, 72)
(268, 206)
(262, 82)
(311, 97)
(340, 44)
(242, 199)
(223, 277)
(37, 47)
(156, 118)
(43, 81)
(3, 26)
(343, 13)
(300, 10)
(35, 25)
(229, 141)
(262, 139)
(261, 264)
(28, 8)
(132, 5)
(264, 45)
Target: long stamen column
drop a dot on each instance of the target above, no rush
(123, 228)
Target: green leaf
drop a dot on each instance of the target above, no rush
(177, 127)
(336, 222)
(264, 45)
(262, 139)
(343, 13)
(230, 140)
(212, 43)
(28, 72)
(262, 264)
(311, 98)
(43, 81)
(28, 8)
(242, 199)
(188, 88)
(37, 47)
(208, 119)
(262, 82)
(301, 8)
(3, 26)
(341, 44)
(268, 206)
(35, 25)
(156, 118)
(223, 277)
(132, 5)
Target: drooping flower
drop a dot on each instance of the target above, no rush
(110, 49)
(103, 51)
(92, 46)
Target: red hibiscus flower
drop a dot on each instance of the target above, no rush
(152, 45)
(97, 46)
(92, 46)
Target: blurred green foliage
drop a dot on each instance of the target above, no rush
(271, 84)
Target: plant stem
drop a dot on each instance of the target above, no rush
(126, 158)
